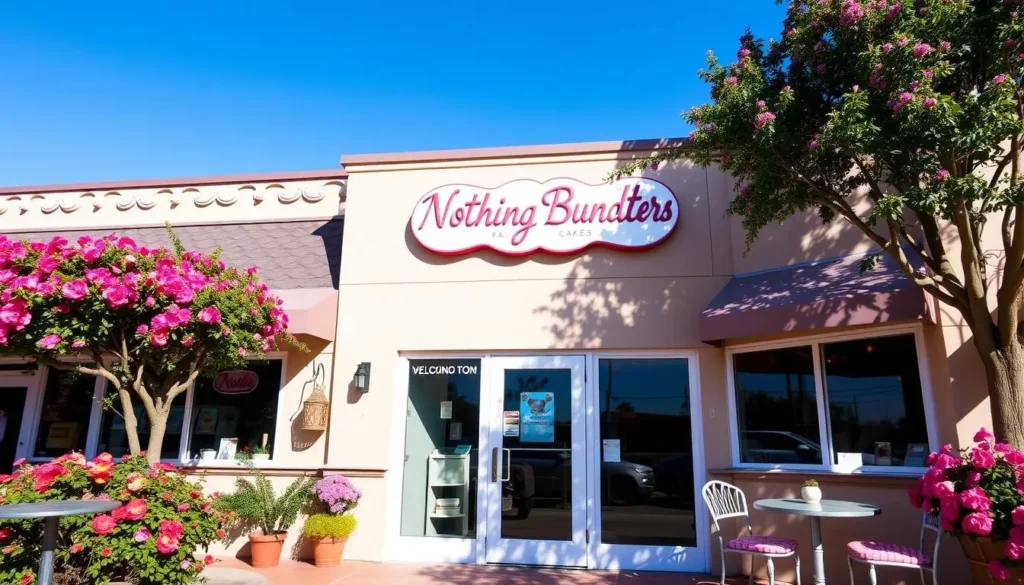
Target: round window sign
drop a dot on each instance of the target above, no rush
(235, 381)
(560, 216)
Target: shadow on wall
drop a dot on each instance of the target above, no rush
(495, 575)
(332, 235)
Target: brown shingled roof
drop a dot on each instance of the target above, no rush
(295, 254)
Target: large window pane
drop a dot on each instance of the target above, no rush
(442, 440)
(647, 494)
(875, 401)
(224, 412)
(64, 420)
(114, 440)
(776, 406)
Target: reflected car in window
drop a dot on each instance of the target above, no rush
(779, 447)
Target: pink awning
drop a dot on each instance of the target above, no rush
(830, 293)
(311, 311)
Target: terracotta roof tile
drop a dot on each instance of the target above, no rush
(296, 254)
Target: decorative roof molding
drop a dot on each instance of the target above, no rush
(183, 204)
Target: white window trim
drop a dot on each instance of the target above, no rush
(815, 342)
(36, 383)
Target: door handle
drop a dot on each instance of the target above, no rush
(494, 465)
(506, 455)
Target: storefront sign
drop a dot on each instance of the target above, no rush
(560, 216)
(537, 410)
(510, 423)
(236, 382)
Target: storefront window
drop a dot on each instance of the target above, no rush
(442, 437)
(235, 409)
(869, 400)
(114, 440)
(876, 409)
(64, 418)
(647, 492)
(777, 406)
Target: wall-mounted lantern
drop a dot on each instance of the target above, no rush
(362, 377)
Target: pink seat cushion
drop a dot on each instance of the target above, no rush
(869, 550)
(769, 545)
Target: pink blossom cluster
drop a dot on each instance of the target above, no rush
(971, 493)
(762, 119)
(151, 285)
(337, 493)
(851, 13)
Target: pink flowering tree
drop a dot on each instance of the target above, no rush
(903, 119)
(148, 320)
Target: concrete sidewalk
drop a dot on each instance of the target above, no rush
(351, 572)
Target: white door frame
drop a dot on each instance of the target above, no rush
(570, 553)
(646, 557)
(600, 556)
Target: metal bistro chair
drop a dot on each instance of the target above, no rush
(872, 553)
(727, 501)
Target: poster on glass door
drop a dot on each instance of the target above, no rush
(537, 417)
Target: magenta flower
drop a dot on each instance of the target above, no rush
(75, 290)
(77, 344)
(142, 329)
(158, 338)
(945, 45)
(982, 459)
(930, 102)
(49, 342)
(743, 53)
(210, 315)
(998, 570)
(851, 13)
(941, 175)
(338, 493)
(894, 12)
(117, 296)
(242, 352)
(983, 436)
(922, 50)
(927, 74)
(975, 499)
(142, 535)
(886, 48)
(999, 79)
(979, 523)
(762, 119)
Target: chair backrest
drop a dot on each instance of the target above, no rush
(725, 500)
(931, 522)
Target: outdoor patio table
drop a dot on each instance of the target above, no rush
(823, 509)
(50, 513)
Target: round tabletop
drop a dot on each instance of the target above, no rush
(823, 509)
(62, 508)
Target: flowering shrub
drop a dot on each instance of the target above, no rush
(978, 492)
(163, 520)
(160, 316)
(337, 493)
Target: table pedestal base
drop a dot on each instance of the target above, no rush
(49, 543)
(819, 552)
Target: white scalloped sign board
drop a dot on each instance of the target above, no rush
(560, 216)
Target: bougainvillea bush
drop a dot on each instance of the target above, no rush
(978, 492)
(152, 537)
(149, 320)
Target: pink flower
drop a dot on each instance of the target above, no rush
(103, 524)
(1015, 458)
(15, 313)
(142, 535)
(950, 508)
(999, 79)
(171, 528)
(762, 119)
(915, 495)
(1014, 550)
(945, 45)
(242, 352)
(77, 344)
(210, 315)
(851, 13)
(75, 290)
(998, 570)
(927, 74)
(743, 53)
(117, 296)
(979, 523)
(1018, 516)
(983, 436)
(732, 80)
(922, 50)
(47, 264)
(158, 339)
(142, 329)
(184, 507)
(225, 331)
(150, 301)
(943, 489)
(49, 342)
(930, 102)
(166, 544)
(188, 341)
(975, 499)
(982, 459)
(941, 175)
(973, 479)
(75, 548)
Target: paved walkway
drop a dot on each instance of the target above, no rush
(352, 572)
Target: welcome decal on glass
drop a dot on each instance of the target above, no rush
(560, 216)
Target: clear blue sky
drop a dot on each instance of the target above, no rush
(134, 91)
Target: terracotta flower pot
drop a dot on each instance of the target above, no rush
(266, 548)
(327, 551)
(979, 552)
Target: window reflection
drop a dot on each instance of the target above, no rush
(114, 439)
(64, 420)
(225, 412)
(647, 491)
(776, 406)
(875, 401)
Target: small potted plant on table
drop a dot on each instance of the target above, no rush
(329, 529)
(811, 492)
(256, 506)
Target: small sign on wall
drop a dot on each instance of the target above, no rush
(236, 381)
(446, 409)
(611, 450)
(537, 410)
(510, 423)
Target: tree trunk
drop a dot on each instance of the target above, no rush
(131, 424)
(157, 428)
(1005, 373)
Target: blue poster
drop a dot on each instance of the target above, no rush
(537, 417)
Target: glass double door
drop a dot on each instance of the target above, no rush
(537, 497)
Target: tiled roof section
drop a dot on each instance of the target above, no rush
(297, 254)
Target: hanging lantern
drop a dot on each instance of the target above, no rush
(316, 408)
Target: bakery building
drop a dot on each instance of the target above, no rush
(527, 363)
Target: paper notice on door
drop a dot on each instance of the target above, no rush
(446, 409)
(510, 423)
(612, 450)
(455, 431)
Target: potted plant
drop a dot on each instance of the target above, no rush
(976, 494)
(256, 506)
(811, 492)
(330, 529)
